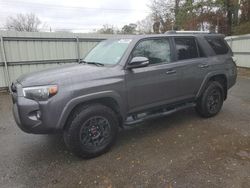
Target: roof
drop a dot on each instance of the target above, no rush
(177, 34)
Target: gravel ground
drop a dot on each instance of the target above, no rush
(182, 150)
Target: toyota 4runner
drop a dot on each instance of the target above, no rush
(124, 81)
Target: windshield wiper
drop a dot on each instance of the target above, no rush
(92, 63)
(95, 63)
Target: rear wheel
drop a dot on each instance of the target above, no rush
(211, 101)
(91, 131)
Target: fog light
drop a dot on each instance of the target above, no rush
(38, 114)
(35, 115)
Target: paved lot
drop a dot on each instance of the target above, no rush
(182, 150)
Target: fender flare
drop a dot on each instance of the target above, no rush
(89, 97)
(207, 78)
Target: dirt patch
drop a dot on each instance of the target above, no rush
(245, 72)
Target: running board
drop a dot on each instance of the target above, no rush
(145, 117)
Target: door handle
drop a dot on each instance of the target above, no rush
(203, 66)
(171, 71)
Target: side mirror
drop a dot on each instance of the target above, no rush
(137, 62)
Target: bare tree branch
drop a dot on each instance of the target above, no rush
(23, 22)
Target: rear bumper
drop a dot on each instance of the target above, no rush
(232, 77)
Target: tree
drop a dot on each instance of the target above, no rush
(186, 17)
(107, 29)
(23, 22)
(228, 7)
(223, 16)
(243, 26)
(145, 26)
(129, 29)
(214, 15)
(245, 11)
(163, 14)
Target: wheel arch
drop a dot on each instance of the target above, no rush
(109, 99)
(221, 77)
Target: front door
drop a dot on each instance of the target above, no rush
(156, 84)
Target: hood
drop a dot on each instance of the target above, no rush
(61, 74)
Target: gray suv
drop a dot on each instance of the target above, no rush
(124, 81)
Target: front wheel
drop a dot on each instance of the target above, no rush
(91, 131)
(211, 101)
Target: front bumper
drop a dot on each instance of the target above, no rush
(29, 115)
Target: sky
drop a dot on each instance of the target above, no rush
(77, 15)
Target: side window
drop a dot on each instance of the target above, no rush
(186, 48)
(156, 50)
(218, 45)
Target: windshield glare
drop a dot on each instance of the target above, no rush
(108, 51)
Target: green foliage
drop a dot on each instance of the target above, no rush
(241, 29)
(217, 15)
(129, 29)
(186, 13)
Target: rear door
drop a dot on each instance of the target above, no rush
(156, 84)
(194, 65)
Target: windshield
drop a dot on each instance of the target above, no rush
(108, 51)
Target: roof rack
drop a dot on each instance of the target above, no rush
(188, 32)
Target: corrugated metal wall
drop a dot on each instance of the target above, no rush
(241, 49)
(28, 52)
(3, 82)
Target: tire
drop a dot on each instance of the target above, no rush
(91, 131)
(210, 102)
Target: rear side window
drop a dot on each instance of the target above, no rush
(218, 45)
(186, 48)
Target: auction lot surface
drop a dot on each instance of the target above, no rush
(182, 150)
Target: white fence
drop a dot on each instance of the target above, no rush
(23, 52)
(241, 49)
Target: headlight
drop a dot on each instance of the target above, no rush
(40, 93)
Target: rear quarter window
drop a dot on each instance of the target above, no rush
(218, 45)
